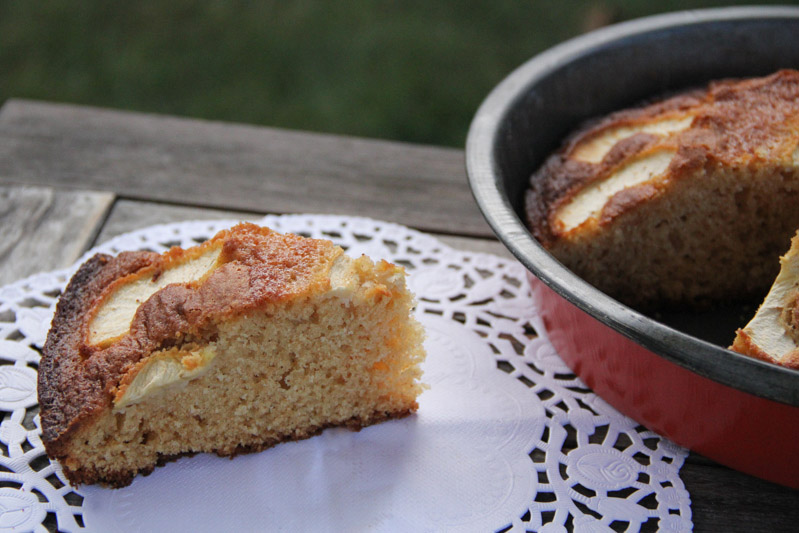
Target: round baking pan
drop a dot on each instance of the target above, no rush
(670, 372)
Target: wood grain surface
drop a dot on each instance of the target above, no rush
(46, 229)
(227, 166)
(723, 500)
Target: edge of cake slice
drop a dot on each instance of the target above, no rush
(773, 333)
(247, 340)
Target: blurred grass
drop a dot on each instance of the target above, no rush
(404, 70)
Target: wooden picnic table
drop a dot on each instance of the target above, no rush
(72, 177)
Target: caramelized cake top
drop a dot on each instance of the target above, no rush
(617, 163)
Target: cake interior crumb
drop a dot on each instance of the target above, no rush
(282, 373)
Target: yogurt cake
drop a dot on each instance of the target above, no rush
(248, 340)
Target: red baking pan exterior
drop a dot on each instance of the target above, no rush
(741, 430)
(673, 374)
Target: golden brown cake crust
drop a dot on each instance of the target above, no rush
(77, 380)
(735, 122)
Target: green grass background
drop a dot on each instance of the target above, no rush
(405, 70)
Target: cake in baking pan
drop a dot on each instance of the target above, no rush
(250, 339)
(683, 201)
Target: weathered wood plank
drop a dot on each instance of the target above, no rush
(45, 229)
(129, 215)
(211, 164)
(723, 500)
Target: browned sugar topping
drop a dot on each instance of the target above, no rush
(752, 117)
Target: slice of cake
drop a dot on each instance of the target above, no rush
(684, 201)
(773, 334)
(247, 340)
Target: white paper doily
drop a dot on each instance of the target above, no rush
(505, 439)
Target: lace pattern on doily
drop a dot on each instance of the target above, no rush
(578, 466)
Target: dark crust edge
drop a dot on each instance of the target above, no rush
(123, 478)
(64, 396)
